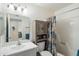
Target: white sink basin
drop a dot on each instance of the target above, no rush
(17, 46)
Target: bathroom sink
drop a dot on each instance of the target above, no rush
(24, 49)
(17, 46)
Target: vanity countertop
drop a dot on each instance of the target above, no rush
(5, 51)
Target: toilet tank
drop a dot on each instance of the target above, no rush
(41, 46)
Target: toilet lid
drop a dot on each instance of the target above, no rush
(45, 53)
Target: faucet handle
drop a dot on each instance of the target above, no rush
(19, 43)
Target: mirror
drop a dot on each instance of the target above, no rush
(19, 28)
(25, 28)
(2, 28)
(14, 24)
(1, 25)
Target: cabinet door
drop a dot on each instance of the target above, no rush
(41, 27)
(45, 27)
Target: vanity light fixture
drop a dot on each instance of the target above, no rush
(25, 10)
(10, 6)
(22, 9)
(17, 8)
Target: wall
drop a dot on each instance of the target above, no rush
(32, 13)
(38, 13)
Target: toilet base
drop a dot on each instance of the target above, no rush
(45, 53)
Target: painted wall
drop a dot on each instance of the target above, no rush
(32, 13)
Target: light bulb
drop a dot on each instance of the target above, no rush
(19, 9)
(25, 11)
(11, 7)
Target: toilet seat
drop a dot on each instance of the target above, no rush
(45, 53)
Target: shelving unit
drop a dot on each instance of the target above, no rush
(40, 33)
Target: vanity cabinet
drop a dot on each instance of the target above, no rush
(25, 49)
(31, 52)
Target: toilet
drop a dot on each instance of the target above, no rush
(41, 49)
(45, 53)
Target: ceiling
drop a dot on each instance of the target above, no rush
(52, 6)
(39, 10)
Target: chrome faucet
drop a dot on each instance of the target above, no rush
(19, 43)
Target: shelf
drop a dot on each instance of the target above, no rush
(40, 40)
